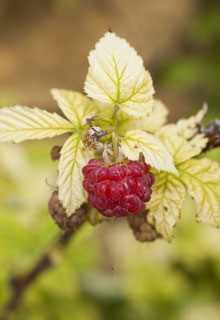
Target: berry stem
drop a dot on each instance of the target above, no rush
(115, 145)
(114, 135)
(116, 108)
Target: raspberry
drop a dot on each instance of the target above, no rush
(120, 189)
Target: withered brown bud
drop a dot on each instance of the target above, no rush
(58, 214)
(212, 132)
(143, 231)
(55, 153)
(88, 141)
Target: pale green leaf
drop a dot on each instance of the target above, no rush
(202, 178)
(152, 123)
(166, 203)
(75, 106)
(117, 76)
(183, 139)
(189, 126)
(180, 147)
(155, 153)
(22, 123)
(70, 180)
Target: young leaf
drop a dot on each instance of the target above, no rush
(151, 124)
(202, 178)
(166, 203)
(154, 151)
(22, 123)
(70, 180)
(182, 139)
(179, 146)
(157, 118)
(190, 126)
(117, 76)
(75, 106)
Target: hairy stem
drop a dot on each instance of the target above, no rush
(20, 284)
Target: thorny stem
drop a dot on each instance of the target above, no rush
(20, 284)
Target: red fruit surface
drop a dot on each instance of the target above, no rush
(118, 190)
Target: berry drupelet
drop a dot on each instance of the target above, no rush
(119, 189)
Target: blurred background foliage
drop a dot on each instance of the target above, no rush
(105, 274)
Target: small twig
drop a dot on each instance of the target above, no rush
(20, 284)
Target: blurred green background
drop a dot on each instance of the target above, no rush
(105, 273)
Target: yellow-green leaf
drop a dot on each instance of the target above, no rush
(117, 76)
(202, 178)
(155, 153)
(22, 123)
(152, 123)
(75, 106)
(166, 203)
(190, 126)
(178, 145)
(73, 158)
(182, 139)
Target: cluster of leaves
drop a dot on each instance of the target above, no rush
(118, 81)
(200, 177)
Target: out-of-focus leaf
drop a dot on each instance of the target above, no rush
(182, 139)
(202, 178)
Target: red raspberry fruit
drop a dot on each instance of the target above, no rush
(120, 189)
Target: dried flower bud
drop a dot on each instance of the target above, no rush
(143, 231)
(91, 137)
(55, 153)
(212, 132)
